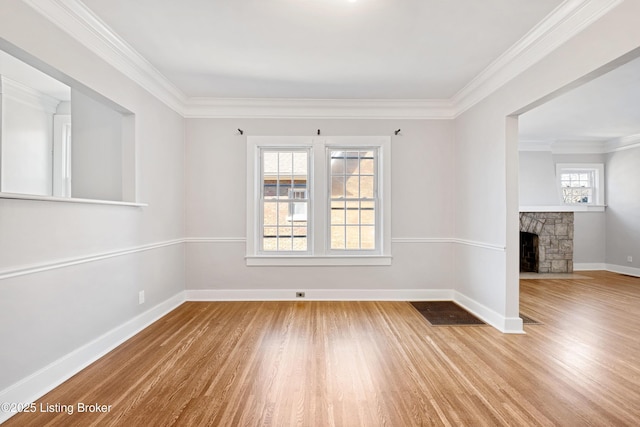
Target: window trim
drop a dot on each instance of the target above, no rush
(598, 190)
(318, 210)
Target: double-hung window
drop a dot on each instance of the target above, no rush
(353, 199)
(284, 202)
(581, 184)
(318, 201)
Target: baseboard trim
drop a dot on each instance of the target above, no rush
(614, 268)
(41, 382)
(507, 325)
(585, 266)
(318, 294)
(621, 269)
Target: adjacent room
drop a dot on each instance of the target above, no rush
(267, 213)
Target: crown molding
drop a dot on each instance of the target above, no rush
(578, 147)
(77, 20)
(319, 108)
(568, 19)
(581, 146)
(596, 147)
(28, 96)
(623, 143)
(534, 145)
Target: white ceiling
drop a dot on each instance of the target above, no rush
(351, 58)
(604, 109)
(321, 49)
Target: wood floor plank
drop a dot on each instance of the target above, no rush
(372, 363)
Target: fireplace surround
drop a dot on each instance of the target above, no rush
(554, 231)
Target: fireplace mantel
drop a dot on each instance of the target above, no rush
(563, 208)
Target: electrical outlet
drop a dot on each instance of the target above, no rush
(629, 258)
(140, 297)
(299, 294)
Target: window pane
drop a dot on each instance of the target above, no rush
(337, 163)
(299, 238)
(283, 213)
(297, 212)
(367, 163)
(300, 230)
(352, 185)
(352, 237)
(367, 213)
(337, 186)
(338, 212)
(300, 244)
(270, 244)
(337, 237)
(368, 237)
(269, 174)
(269, 189)
(270, 163)
(269, 213)
(285, 163)
(353, 216)
(366, 187)
(284, 239)
(300, 164)
(353, 163)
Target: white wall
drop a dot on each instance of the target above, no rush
(623, 213)
(96, 141)
(589, 238)
(70, 273)
(487, 158)
(422, 186)
(26, 142)
(538, 179)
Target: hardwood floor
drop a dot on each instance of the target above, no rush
(372, 364)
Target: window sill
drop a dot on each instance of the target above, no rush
(292, 260)
(68, 200)
(563, 208)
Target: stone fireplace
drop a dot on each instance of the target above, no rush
(553, 251)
